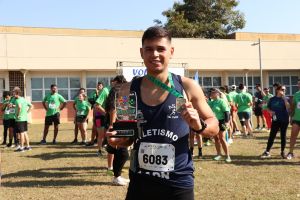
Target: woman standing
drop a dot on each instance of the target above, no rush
(221, 109)
(278, 107)
(83, 108)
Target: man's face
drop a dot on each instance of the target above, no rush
(156, 54)
(54, 89)
(99, 87)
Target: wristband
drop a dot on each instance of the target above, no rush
(203, 127)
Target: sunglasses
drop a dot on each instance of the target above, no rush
(283, 89)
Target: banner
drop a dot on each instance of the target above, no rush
(130, 72)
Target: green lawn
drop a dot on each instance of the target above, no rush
(66, 171)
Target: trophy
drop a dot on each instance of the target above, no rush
(126, 110)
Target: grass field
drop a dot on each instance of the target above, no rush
(65, 171)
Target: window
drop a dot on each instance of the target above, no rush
(91, 83)
(250, 82)
(67, 87)
(208, 82)
(289, 81)
(2, 87)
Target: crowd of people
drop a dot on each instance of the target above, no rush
(170, 173)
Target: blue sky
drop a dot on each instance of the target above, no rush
(268, 16)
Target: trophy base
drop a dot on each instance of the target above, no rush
(125, 128)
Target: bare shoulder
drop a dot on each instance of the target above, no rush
(192, 88)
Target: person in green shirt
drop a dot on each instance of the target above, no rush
(99, 111)
(53, 104)
(221, 110)
(295, 121)
(80, 91)
(8, 118)
(83, 108)
(95, 94)
(266, 97)
(22, 107)
(244, 103)
(225, 95)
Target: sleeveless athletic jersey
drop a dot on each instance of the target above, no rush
(162, 152)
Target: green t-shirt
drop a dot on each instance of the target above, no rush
(266, 99)
(82, 107)
(242, 100)
(6, 111)
(296, 101)
(102, 97)
(233, 94)
(219, 106)
(12, 110)
(53, 102)
(24, 107)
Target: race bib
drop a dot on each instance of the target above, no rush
(156, 157)
(12, 110)
(256, 99)
(52, 105)
(80, 112)
(298, 105)
(7, 111)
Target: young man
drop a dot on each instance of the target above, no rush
(22, 107)
(233, 111)
(161, 163)
(53, 104)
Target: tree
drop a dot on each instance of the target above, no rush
(203, 18)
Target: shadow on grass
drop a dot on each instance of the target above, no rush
(63, 154)
(257, 161)
(54, 183)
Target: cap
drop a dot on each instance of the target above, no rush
(233, 87)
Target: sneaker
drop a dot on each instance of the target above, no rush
(200, 155)
(43, 142)
(9, 145)
(207, 143)
(27, 148)
(74, 141)
(266, 155)
(125, 179)
(237, 133)
(290, 156)
(230, 141)
(21, 149)
(119, 181)
(257, 128)
(54, 142)
(228, 160)
(83, 143)
(89, 144)
(3, 143)
(109, 172)
(217, 158)
(282, 154)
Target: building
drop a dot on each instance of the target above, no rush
(34, 58)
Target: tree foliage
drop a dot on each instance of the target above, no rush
(203, 18)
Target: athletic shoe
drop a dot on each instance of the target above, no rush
(207, 143)
(19, 150)
(9, 145)
(230, 141)
(257, 128)
(217, 158)
(266, 155)
(290, 156)
(3, 143)
(109, 172)
(125, 179)
(43, 142)
(54, 142)
(27, 148)
(228, 160)
(99, 153)
(83, 143)
(74, 141)
(237, 133)
(282, 154)
(119, 181)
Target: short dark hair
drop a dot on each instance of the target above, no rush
(276, 84)
(241, 86)
(100, 83)
(155, 32)
(5, 94)
(81, 89)
(53, 85)
(120, 79)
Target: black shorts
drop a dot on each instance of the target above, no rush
(258, 111)
(296, 122)
(110, 149)
(81, 119)
(140, 188)
(10, 123)
(21, 127)
(222, 125)
(49, 120)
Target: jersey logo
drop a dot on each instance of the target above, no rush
(173, 114)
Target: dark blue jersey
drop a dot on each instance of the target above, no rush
(277, 105)
(162, 152)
